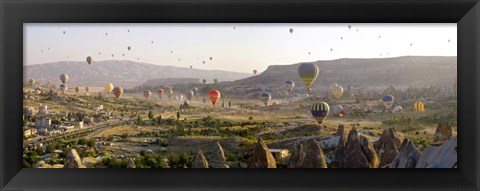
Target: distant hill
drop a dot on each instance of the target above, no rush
(400, 72)
(119, 72)
(170, 81)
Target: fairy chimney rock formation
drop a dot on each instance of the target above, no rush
(443, 132)
(340, 130)
(73, 160)
(387, 146)
(261, 157)
(360, 152)
(200, 161)
(218, 160)
(407, 156)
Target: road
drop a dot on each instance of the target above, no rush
(72, 134)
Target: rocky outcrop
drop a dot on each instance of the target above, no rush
(340, 130)
(218, 160)
(131, 163)
(307, 155)
(296, 159)
(314, 157)
(387, 146)
(443, 132)
(261, 157)
(339, 151)
(73, 160)
(443, 156)
(407, 156)
(200, 161)
(358, 152)
(89, 162)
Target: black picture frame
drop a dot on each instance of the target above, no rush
(466, 13)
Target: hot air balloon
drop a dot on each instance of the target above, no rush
(190, 95)
(129, 48)
(308, 53)
(77, 89)
(203, 62)
(308, 91)
(397, 109)
(99, 53)
(147, 94)
(186, 102)
(87, 89)
(106, 34)
(266, 97)
(233, 28)
(331, 49)
(128, 30)
(31, 82)
(308, 73)
(254, 72)
(64, 78)
(171, 51)
(388, 101)
(108, 87)
(181, 98)
(214, 96)
(152, 42)
(118, 91)
(63, 88)
(418, 106)
(338, 110)
(320, 111)
(215, 81)
(160, 93)
(349, 27)
(337, 91)
(211, 58)
(195, 90)
(89, 60)
(204, 100)
(289, 86)
(64, 32)
(169, 93)
(204, 81)
(291, 30)
(341, 38)
(123, 54)
(113, 55)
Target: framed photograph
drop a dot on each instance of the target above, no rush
(247, 95)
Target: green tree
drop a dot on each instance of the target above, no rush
(91, 143)
(139, 120)
(159, 119)
(150, 115)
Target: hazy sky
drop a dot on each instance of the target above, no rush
(248, 47)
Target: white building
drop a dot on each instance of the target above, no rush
(43, 123)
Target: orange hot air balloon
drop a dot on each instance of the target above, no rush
(117, 91)
(77, 89)
(214, 96)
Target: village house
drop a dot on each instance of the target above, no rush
(43, 122)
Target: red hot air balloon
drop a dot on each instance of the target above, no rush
(214, 96)
(160, 93)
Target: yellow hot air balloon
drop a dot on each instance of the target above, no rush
(308, 73)
(337, 91)
(418, 106)
(108, 88)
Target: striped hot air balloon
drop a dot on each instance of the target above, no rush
(388, 101)
(320, 111)
(308, 73)
(266, 97)
(147, 94)
(214, 96)
(160, 93)
(418, 106)
(118, 92)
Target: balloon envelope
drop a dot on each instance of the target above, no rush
(320, 111)
(108, 87)
(338, 110)
(418, 106)
(64, 78)
(190, 95)
(89, 59)
(308, 73)
(337, 91)
(266, 97)
(147, 94)
(118, 92)
(388, 101)
(214, 96)
(289, 85)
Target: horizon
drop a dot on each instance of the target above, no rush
(243, 49)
